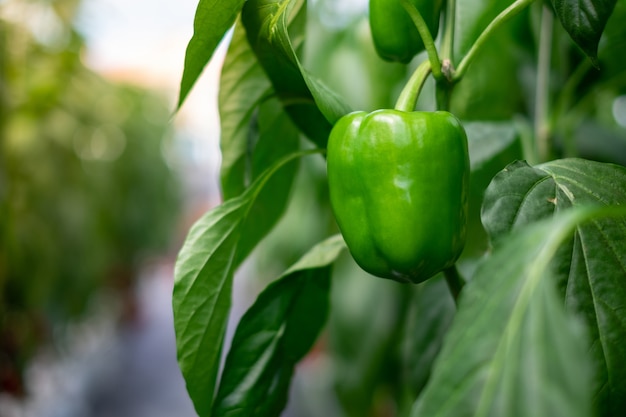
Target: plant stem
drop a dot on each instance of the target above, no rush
(500, 19)
(410, 93)
(427, 38)
(542, 90)
(443, 94)
(455, 282)
(447, 42)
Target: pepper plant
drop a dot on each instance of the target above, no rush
(443, 185)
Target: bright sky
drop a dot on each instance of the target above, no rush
(148, 36)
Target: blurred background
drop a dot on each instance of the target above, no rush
(99, 182)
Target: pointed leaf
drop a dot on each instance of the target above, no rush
(585, 20)
(591, 267)
(512, 350)
(274, 334)
(312, 106)
(213, 18)
(202, 289)
(277, 137)
(255, 133)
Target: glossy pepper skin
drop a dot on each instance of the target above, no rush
(395, 36)
(398, 188)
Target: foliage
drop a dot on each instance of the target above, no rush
(529, 321)
(85, 192)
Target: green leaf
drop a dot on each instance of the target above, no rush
(512, 350)
(278, 137)
(521, 194)
(274, 334)
(591, 267)
(202, 289)
(312, 106)
(243, 87)
(430, 316)
(585, 22)
(256, 133)
(213, 18)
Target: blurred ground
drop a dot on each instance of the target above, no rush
(143, 378)
(110, 371)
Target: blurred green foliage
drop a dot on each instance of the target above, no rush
(85, 191)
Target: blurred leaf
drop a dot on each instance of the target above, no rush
(213, 18)
(202, 289)
(311, 105)
(365, 342)
(491, 88)
(585, 22)
(430, 315)
(590, 268)
(346, 60)
(492, 146)
(472, 17)
(613, 40)
(512, 350)
(274, 334)
(489, 142)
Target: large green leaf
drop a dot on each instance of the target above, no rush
(275, 40)
(243, 87)
(585, 21)
(213, 18)
(256, 132)
(512, 350)
(274, 334)
(202, 289)
(591, 267)
(277, 137)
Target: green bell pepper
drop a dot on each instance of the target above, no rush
(395, 36)
(398, 185)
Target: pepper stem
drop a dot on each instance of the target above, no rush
(427, 38)
(410, 92)
(447, 41)
(455, 282)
